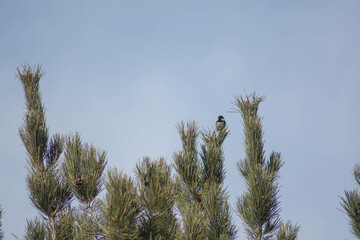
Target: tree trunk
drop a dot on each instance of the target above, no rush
(52, 228)
(259, 233)
(95, 218)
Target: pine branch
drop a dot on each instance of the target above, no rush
(120, 207)
(89, 209)
(47, 190)
(157, 198)
(212, 155)
(217, 211)
(351, 205)
(186, 161)
(52, 227)
(65, 224)
(259, 206)
(203, 204)
(85, 226)
(192, 215)
(83, 169)
(287, 231)
(215, 203)
(35, 230)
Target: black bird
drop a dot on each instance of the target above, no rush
(220, 123)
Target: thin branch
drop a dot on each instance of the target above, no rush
(95, 217)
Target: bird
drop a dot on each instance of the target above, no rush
(220, 123)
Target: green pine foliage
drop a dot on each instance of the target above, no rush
(218, 213)
(83, 168)
(258, 207)
(48, 190)
(85, 227)
(120, 208)
(203, 201)
(189, 199)
(157, 195)
(215, 195)
(351, 204)
(287, 231)
(193, 205)
(36, 230)
(186, 162)
(192, 217)
(65, 225)
(212, 155)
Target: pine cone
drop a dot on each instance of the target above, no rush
(199, 195)
(79, 182)
(147, 183)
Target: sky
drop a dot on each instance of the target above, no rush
(124, 73)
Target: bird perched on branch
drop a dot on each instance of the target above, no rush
(220, 123)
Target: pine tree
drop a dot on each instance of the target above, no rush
(48, 190)
(351, 204)
(259, 206)
(146, 208)
(203, 200)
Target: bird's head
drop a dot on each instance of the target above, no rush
(221, 118)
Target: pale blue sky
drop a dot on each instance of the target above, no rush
(123, 73)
